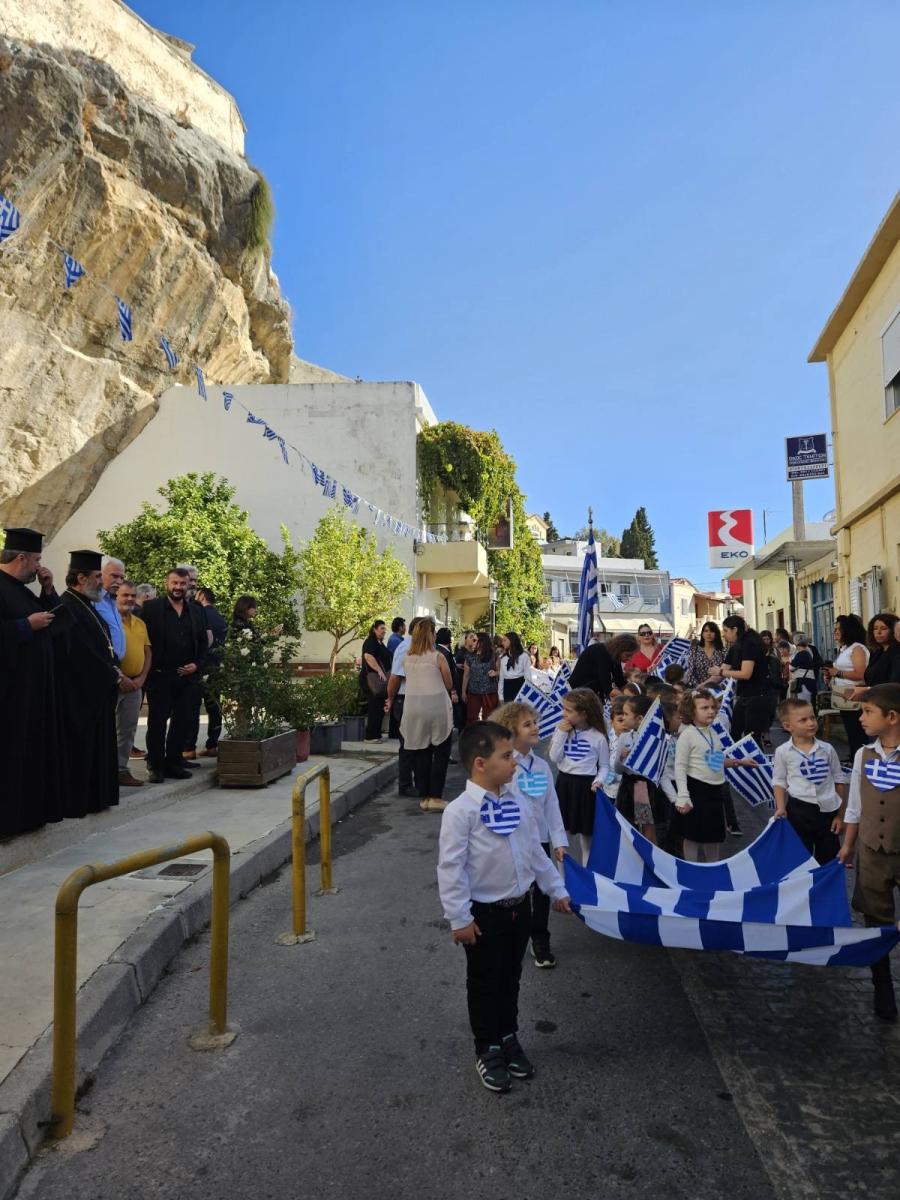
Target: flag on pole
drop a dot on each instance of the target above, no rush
(587, 593)
(647, 756)
(726, 706)
(171, 357)
(770, 900)
(561, 682)
(675, 651)
(10, 218)
(124, 320)
(74, 270)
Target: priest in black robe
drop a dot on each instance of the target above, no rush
(87, 676)
(29, 729)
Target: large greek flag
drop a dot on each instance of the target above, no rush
(770, 900)
(549, 709)
(647, 756)
(675, 651)
(587, 594)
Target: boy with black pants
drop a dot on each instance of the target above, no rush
(873, 816)
(490, 855)
(808, 782)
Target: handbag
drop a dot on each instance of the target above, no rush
(841, 703)
(376, 685)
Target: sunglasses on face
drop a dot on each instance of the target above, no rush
(645, 633)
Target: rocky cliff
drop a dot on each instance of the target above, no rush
(163, 213)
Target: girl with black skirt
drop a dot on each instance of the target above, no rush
(580, 750)
(700, 780)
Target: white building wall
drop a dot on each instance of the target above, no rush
(364, 434)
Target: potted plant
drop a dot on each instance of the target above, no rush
(254, 682)
(351, 704)
(326, 698)
(300, 714)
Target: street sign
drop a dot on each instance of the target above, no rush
(730, 537)
(807, 457)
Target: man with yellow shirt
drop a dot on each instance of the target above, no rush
(135, 667)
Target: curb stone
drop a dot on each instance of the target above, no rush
(118, 988)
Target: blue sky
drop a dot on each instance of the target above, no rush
(611, 231)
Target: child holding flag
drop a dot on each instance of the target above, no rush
(534, 783)
(808, 782)
(580, 749)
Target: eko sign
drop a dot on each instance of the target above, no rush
(730, 537)
(807, 457)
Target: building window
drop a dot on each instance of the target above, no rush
(604, 589)
(625, 591)
(890, 364)
(685, 606)
(892, 396)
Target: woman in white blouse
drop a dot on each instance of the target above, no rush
(515, 667)
(847, 673)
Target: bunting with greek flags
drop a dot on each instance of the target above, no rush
(753, 784)
(10, 218)
(201, 384)
(614, 599)
(228, 400)
(647, 756)
(770, 900)
(124, 312)
(171, 357)
(675, 652)
(351, 501)
(549, 710)
(587, 594)
(73, 270)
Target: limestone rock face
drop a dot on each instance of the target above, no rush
(156, 210)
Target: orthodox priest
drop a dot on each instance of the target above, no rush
(29, 727)
(87, 677)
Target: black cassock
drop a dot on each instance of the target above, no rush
(29, 727)
(87, 687)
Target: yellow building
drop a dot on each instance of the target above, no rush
(861, 345)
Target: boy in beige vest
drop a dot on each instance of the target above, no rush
(873, 816)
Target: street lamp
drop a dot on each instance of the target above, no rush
(492, 596)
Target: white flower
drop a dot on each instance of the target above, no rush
(246, 633)
(245, 650)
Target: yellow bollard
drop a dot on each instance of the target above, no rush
(300, 934)
(65, 968)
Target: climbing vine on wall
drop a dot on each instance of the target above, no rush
(469, 467)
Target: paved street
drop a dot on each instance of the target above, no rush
(352, 1076)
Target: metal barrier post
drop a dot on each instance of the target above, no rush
(300, 934)
(66, 961)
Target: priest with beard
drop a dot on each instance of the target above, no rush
(32, 792)
(87, 676)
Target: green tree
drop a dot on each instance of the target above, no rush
(609, 545)
(201, 524)
(347, 583)
(552, 531)
(638, 540)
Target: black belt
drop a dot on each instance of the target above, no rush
(509, 902)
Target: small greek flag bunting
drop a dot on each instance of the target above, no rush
(201, 383)
(753, 784)
(74, 270)
(171, 357)
(252, 420)
(124, 320)
(227, 400)
(351, 501)
(10, 218)
(647, 756)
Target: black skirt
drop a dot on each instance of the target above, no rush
(705, 822)
(625, 799)
(576, 802)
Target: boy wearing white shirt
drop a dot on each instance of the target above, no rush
(808, 782)
(873, 816)
(490, 855)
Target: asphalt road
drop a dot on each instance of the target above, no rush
(353, 1074)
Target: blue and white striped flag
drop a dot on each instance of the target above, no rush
(770, 900)
(10, 218)
(754, 784)
(647, 756)
(201, 383)
(124, 320)
(561, 683)
(271, 436)
(74, 270)
(615, 600)
(171, 357)
(726, 707)
(587, 594)
(549, 710)
(254, 420)
(674, 652)
(228, 400)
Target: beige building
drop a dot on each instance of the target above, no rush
(861, 346)
(690, 607)
(537, 527)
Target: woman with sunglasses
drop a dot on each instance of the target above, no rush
(649, 649)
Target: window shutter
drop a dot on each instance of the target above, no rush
(890, 350)
(856, 596)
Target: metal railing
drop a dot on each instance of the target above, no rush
(299, 933)
(65, 970)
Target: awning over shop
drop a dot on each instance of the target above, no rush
(621, 624)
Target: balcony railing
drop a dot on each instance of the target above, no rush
(455, 531)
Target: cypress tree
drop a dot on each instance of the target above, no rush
(638, 540)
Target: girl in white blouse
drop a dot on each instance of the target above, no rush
(580, 749)
(515, 667)
(700, 780)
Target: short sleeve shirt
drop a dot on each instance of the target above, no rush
(136, 639)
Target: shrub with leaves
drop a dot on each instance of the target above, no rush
(255, 685)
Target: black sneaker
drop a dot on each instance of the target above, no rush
(517, 1061)
(542, 954)
(492, 1069)
(173, 772)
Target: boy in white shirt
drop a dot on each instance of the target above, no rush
(490, 855)
(808, 782)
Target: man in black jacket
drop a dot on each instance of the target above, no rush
(178, 638)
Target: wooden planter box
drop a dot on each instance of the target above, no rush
(254, 764)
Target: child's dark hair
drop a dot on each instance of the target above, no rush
(587, 704)
(641, 705)
(657, 688)
(686, 707)
(617, 706)
(480, 740)
(791, 705)
(670, 710)
(884, 696)
(674, 673)
(632, 688)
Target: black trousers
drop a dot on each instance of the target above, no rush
(374, 713)
(493, 971)
(172, 702)
(214, 718)
(540, 909)
(404, 756)
(430, 768)
(856, 739)
(753, 714)
(813, 828)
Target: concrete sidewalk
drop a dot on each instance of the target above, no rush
(130, 928)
